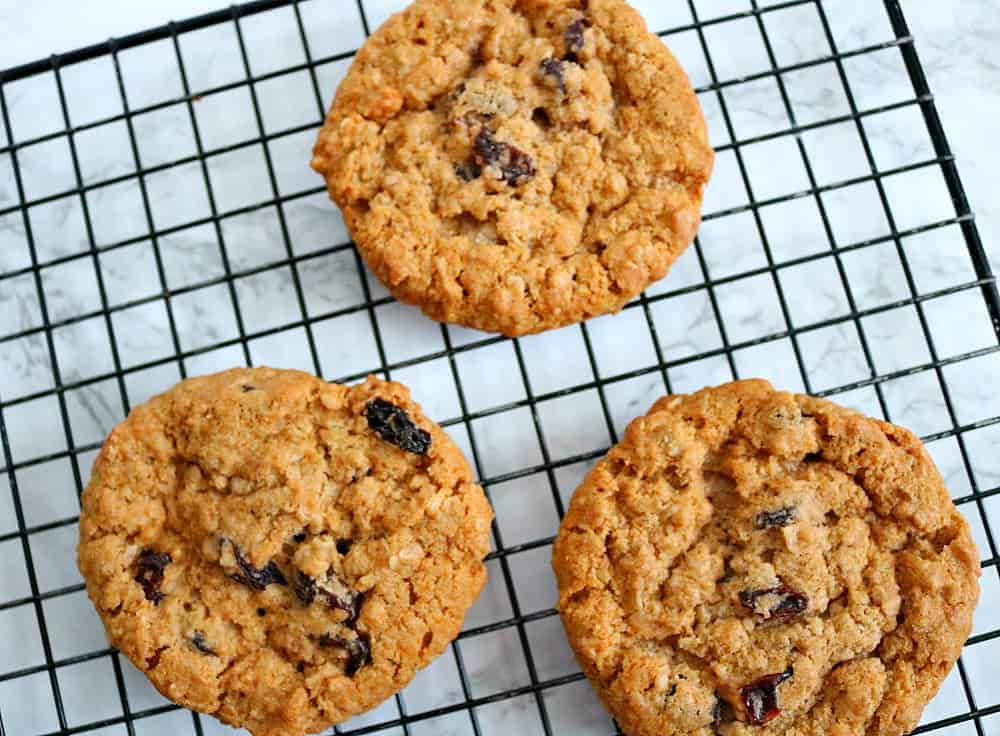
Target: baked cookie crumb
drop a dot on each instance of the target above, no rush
(516, 165)
(280, 552)
(750, 561)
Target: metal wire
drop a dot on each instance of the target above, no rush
(537, 687)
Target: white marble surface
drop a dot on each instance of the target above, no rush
(200, 314)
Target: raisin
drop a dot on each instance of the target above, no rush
(149, 574)
(254, 577)
(760, 697)
(344, 546)
(262, 612)
(721, 711)
(395, 426)
(554, 68)
(359, 651)
(247, 388)
(515, 166)
(199, 643)
(299, 538)
(345, 599)
(541, 118)
(574, 38)
(349, 604)
(780, 517)
(305, 588)
(791, 603)
(468, 171)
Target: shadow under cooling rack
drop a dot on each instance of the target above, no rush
(158, 219)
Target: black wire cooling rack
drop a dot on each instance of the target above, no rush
(37, 692)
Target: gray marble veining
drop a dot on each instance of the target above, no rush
(721, 293)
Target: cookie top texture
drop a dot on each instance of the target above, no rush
(280, 552)
(748, 561)
(516, 165)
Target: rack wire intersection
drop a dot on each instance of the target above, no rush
(837, 206)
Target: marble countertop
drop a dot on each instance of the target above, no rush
(279, 236)
(958, 52)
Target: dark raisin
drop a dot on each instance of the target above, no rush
(149, 573)
(489, 151)
(722, 711)
(299, 538)
(554, 68)
(574, 38)
(760, 698)
(359, 651)
(749, 597)
(305, 588)
(468, 171)
(247, 388)
(515, 166)
(256, 578)
(791, 603)
(335, 594)
(541, 118)
(780, 517)
(262, 612)
(395, 426)
(301, 667)
(344, 546)
(199, 642)
(349, 603)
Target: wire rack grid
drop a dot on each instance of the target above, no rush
(157, 219)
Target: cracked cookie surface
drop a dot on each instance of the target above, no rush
(281, 552)
(748, 561)
(516, 165)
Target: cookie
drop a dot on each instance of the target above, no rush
(516, 165)
(280, 552)
(748, 561)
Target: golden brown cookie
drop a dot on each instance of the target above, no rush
(516, 165)
(281, 552)
(753, 562)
